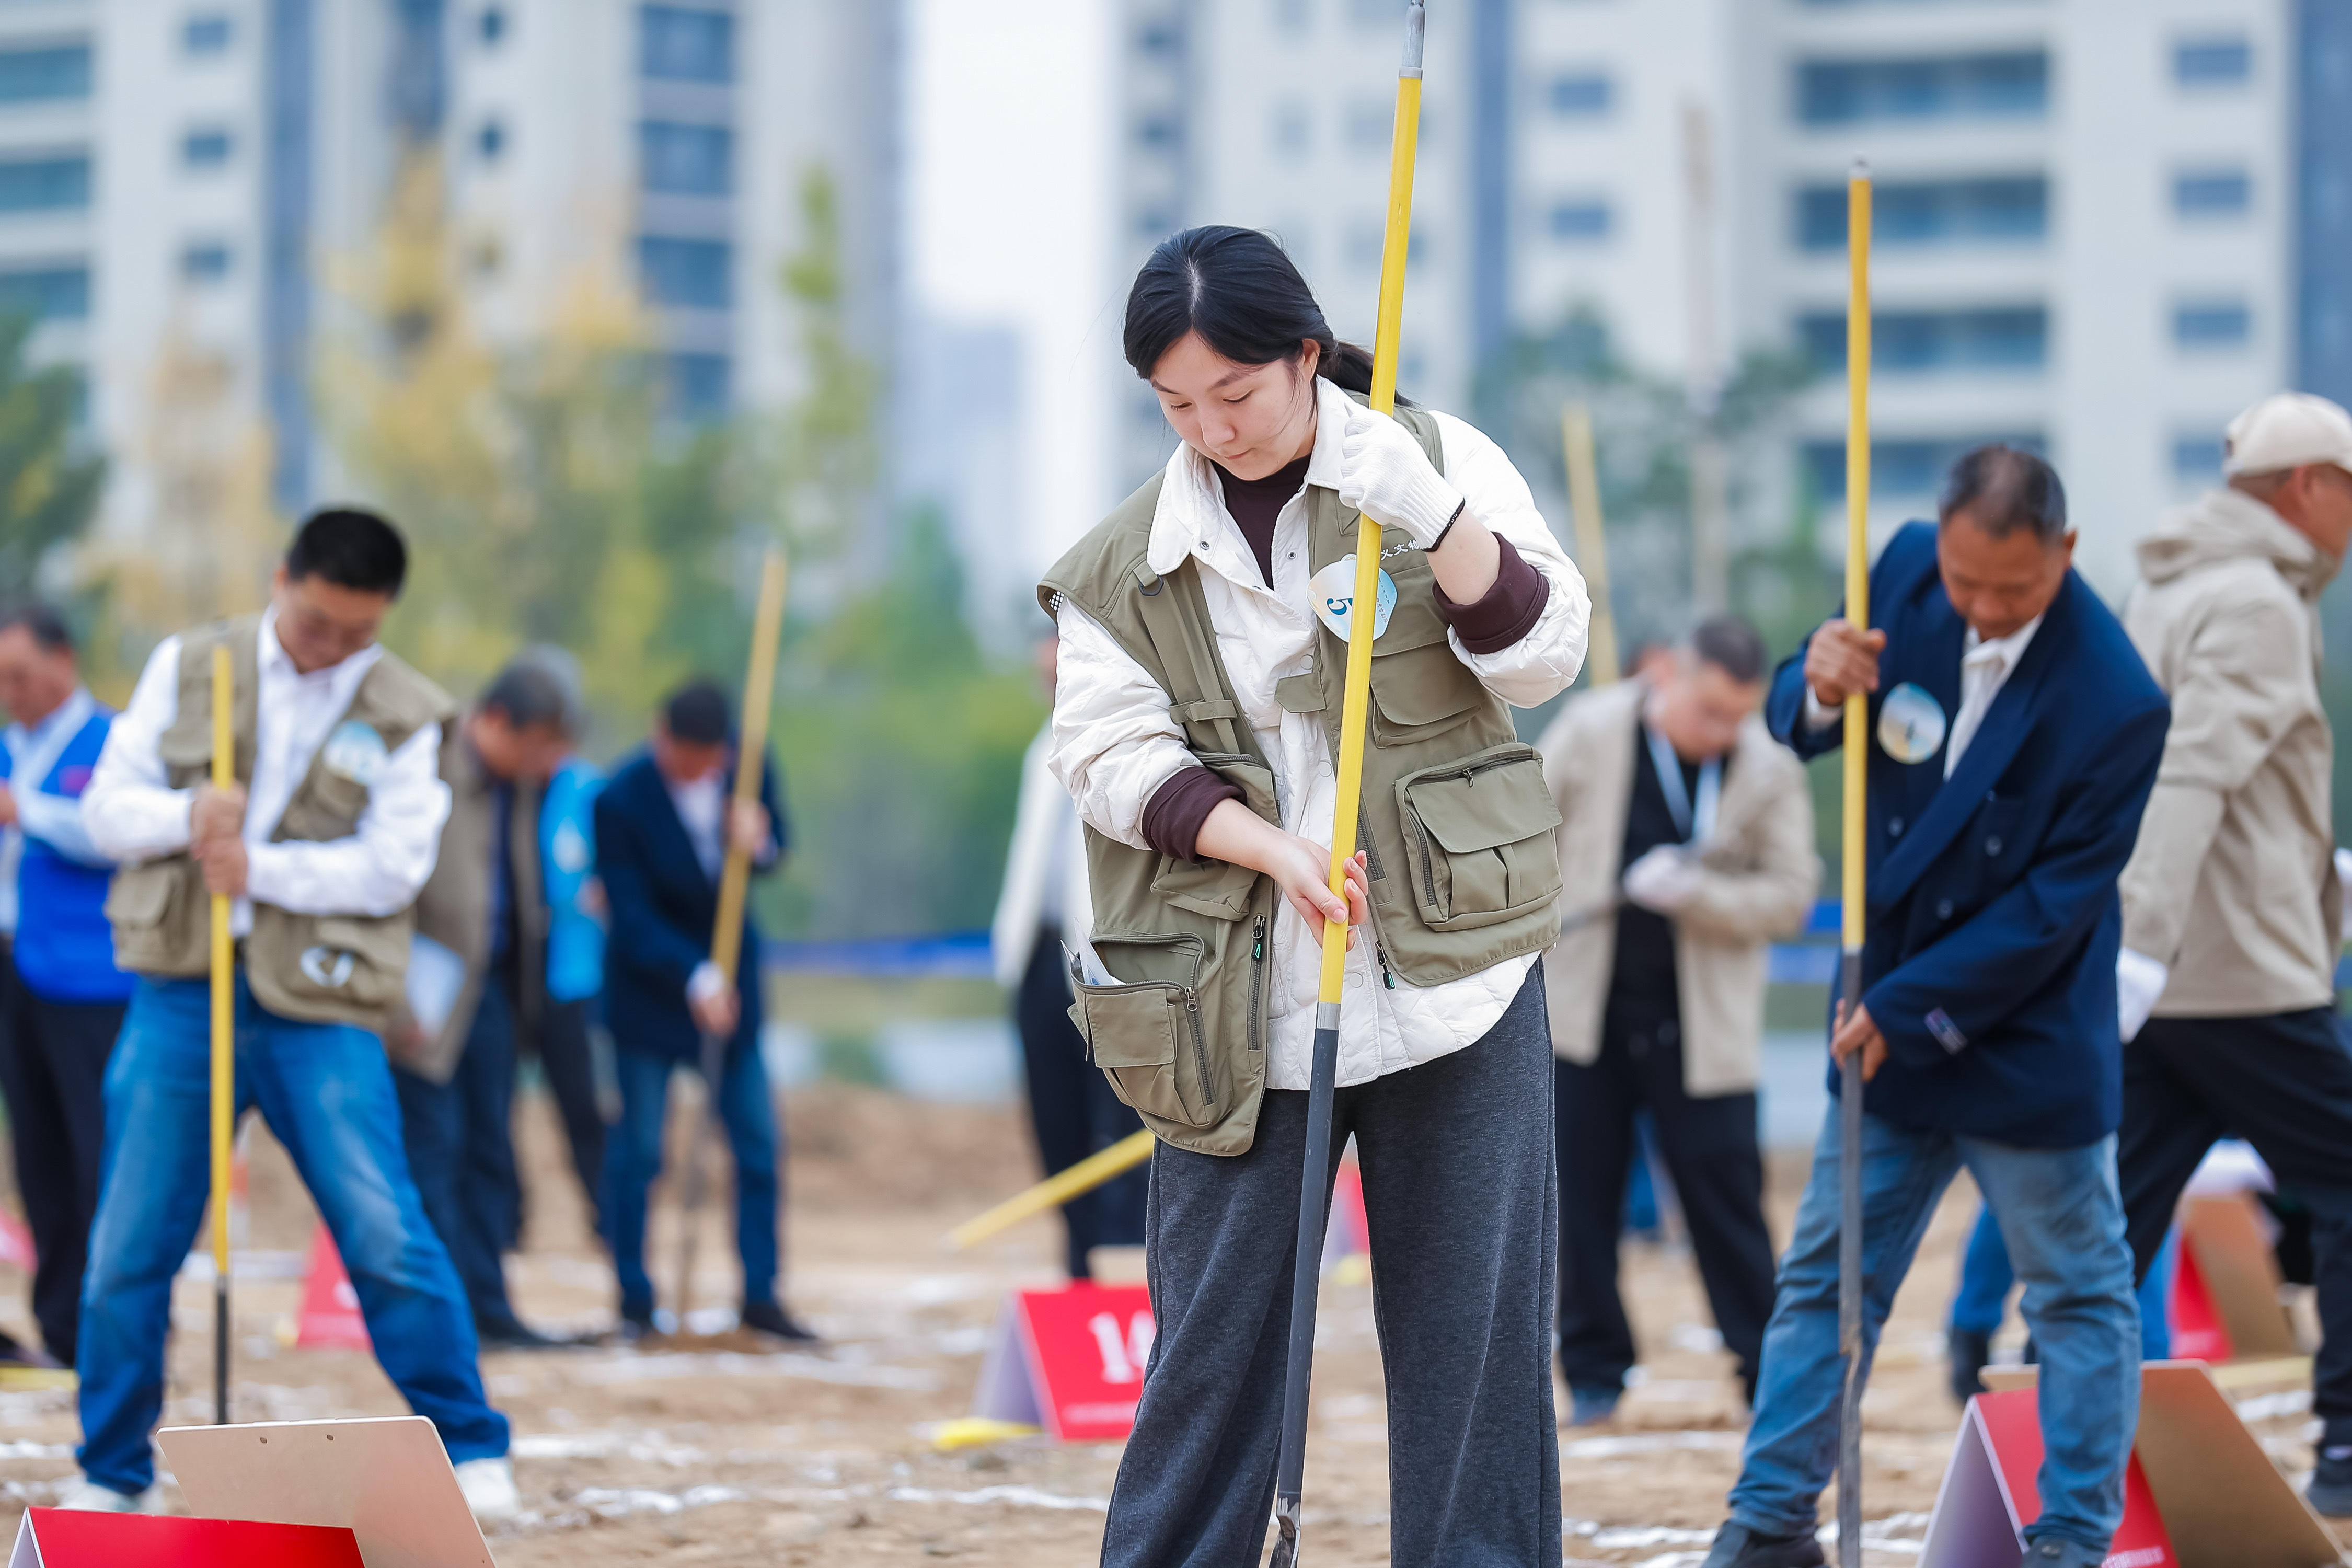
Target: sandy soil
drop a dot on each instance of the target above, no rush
(730, 1452)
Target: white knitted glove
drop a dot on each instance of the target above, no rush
(1665, 879)
(1384, 474)
(2139, 985)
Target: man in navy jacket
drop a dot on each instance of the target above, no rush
(663, 827)
(2017, 738)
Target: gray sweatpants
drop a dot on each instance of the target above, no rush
(1459, 1187)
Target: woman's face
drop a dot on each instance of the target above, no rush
(1250, 419)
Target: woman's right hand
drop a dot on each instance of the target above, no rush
(1299, 867)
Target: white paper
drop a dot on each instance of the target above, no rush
(1088, 963)
(436, 976)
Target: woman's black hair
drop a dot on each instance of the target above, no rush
(1237, 289)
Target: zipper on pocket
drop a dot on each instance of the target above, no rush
(1387, 979)
(1257, 981)
(1199, 1049)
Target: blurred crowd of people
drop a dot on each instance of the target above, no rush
(426, 895)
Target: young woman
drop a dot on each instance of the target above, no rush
(1203, 629)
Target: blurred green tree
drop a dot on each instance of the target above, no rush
(50, 480)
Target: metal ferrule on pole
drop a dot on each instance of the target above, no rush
(1854, 888)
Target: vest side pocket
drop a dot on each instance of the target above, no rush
(1149, 1035)
(1418, 693)
(1478, 838)
(140, 907)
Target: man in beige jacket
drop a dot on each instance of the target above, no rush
(1686, 846)
(2230, 901)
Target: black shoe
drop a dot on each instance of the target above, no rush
(2331, 1487)
(514, 1334)
(15, 1352)
(1737, 1546)
(634, 1325)
(1967, 1351)
(2052, 1551)
(1593, 1406)
(771, 1319)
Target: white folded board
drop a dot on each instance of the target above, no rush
(388, 1481)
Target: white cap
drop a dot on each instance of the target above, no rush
(2287, 431)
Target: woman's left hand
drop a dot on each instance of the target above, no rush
(1384, 473)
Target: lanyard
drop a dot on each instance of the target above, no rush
(1669, 769)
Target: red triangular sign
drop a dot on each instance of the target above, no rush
(1070, 1360)
(2198, 1332)
(330, 1308)
(1990, 1496)
(61, 1538)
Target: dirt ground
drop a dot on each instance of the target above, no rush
(733, 1453)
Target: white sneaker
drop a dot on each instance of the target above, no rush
(489, 1489)
(88, 1497)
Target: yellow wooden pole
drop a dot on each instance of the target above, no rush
(734, 885)
(224, 1041)
(1854, 852)
(1057, 1189)
(759, 696)
(1592, 541)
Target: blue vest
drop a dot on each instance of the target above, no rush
(65, 949)
(567, 859)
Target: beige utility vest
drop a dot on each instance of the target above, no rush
(1455, 823)
(324, 969)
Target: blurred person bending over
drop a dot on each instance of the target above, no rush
(65, 997)
(664, 825)
(2014, 738)
(1685, 846)
(475, 984)
(322, 845)
(2231, 903)
(1044, 902)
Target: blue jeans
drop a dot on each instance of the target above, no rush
(1982, 1299)
(460, 1146)
(2062, 1214)
(633, 1158)
(325, 1090)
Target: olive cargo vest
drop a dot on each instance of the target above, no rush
(325, 969)
(1456, 824)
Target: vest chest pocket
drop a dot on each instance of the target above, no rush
(1148, 1035)
(1478, 838)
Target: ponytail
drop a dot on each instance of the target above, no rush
(1238, 289)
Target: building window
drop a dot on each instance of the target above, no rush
(676, 44)
(203, 262)
(205, 34)
(2212, 63)
(1932, 212)
(1951, 87)
(1919, 342)
(2197, 460)
(1293, 130)
(694, 273)
(695, 386)
(490, 140)
(46, 293)
(43, 184)
(2208, 325)
(2212, 193)
(1581, 95)
(205, 149)
(42, 75)
(687, 160)
(1579, 222)
(492, 26)
(1907, 469)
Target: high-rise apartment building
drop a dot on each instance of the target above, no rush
(2103, 225)
(181, 177)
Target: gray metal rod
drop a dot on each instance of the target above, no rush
(1849, 1335)
(1306, 1278)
